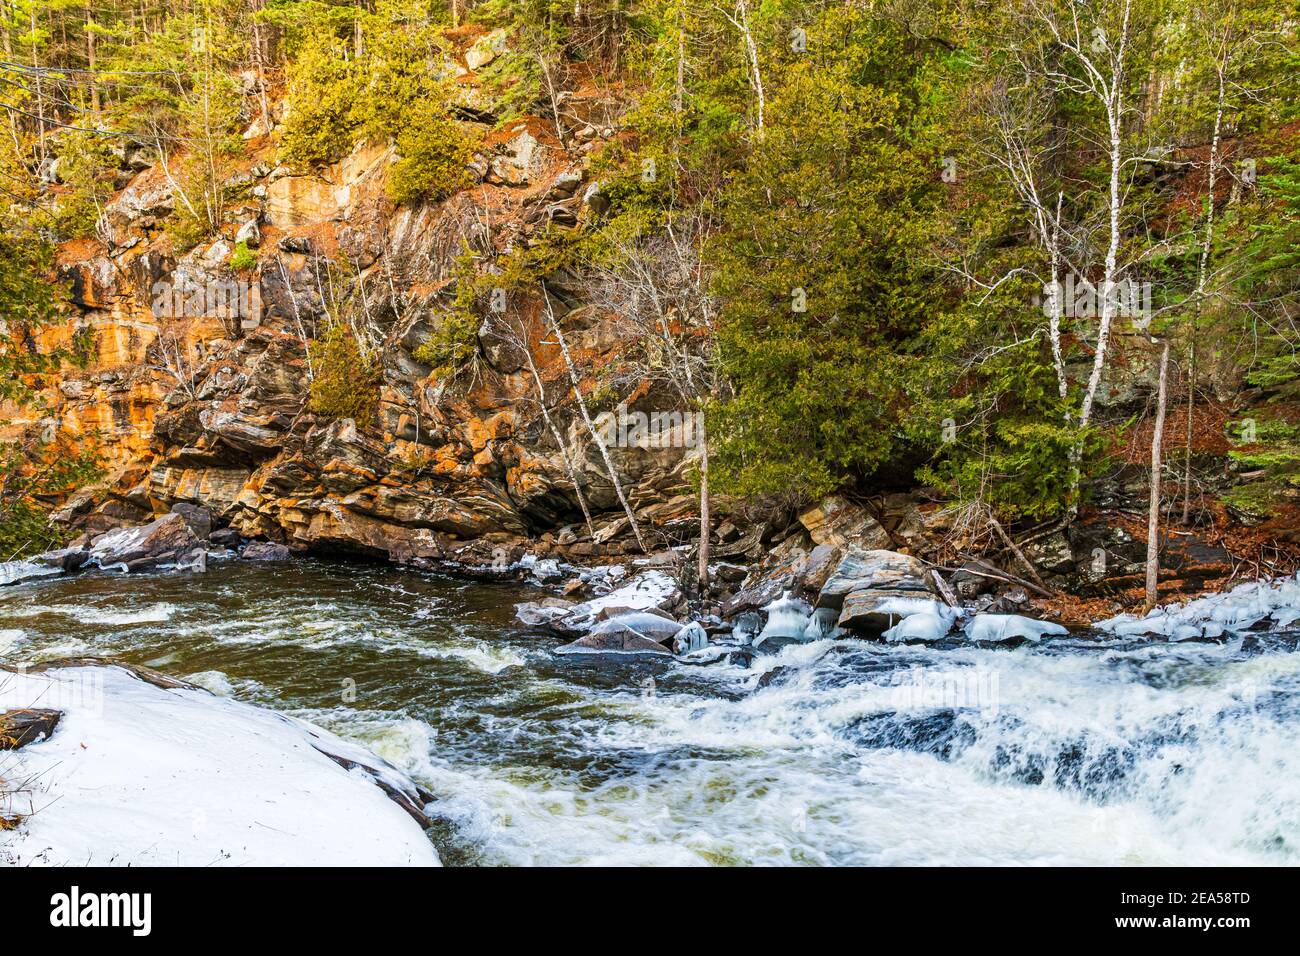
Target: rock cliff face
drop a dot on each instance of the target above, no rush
(196, 385)
(195, 376)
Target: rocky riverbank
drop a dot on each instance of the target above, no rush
(816, 581)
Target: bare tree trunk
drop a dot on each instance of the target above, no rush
(591, 427)
(742, 24)
(559, 439)
(90, 61)
(704, 510)
(1110, 292)
(1207, 242)
(679, 92)
(260, 65)
(1058, 306)
(1153, 518)
(40, 98)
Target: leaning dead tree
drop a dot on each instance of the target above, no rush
(1153, 517)
(510, 329)
(592, 430)
(655, 290)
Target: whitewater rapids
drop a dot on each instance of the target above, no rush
(1107, 748)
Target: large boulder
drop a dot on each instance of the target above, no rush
(871, 591)
(872, 570)
(647, 591)
(168, 540)
(616, 642)
(145, 770)
(840, 523)
(643, 624)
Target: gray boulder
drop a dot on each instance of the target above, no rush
(873, 590)
(865, 570)
(616, 642)
(543, 613)
(266, 551)
(639, 624)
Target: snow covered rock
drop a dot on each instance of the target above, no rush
(15, 572)
(661, 630)
(168, 540)
(1010, 628)
(926, 625)
(144, 770)
(647, 591)
(543, 613)
(1275, 603)
(618, 641)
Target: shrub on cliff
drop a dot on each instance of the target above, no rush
(393, 92)
(345, 382)
(85, 166)
(434, 154)
(323, 85)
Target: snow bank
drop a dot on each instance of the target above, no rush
(1240, 609)
(136, 774)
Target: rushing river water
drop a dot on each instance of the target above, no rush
(1075, 751)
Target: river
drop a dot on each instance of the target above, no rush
(1077, 751)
